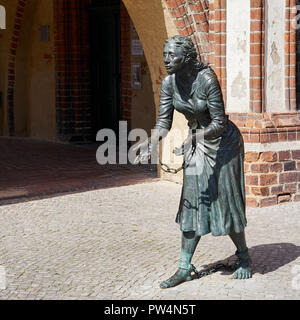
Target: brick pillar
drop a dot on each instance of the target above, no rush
(257, 54)
(73, 86)
(211, 35)
(220, 43)
(12, 65)
(290, 56)
(126, 91)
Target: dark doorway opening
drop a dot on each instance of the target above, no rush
(105, 47)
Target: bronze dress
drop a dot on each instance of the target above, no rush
(213, 190)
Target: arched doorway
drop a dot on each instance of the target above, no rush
(94, 70)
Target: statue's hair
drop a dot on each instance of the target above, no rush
(186, 44)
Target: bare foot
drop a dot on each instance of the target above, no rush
(242, 273)
(180, 276)
(243, 269)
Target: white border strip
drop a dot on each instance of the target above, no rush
(274, 147)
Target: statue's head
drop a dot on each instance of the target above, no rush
(178, 52)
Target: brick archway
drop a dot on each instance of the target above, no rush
(72, 69)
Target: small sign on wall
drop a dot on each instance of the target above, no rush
(136, 75)
(44, 33)
(2, 18)
(136, 47)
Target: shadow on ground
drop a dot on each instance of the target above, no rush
(32, 169)
(265, 258)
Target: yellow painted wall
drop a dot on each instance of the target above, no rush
(153, 35)
(142, 104)
(41, 75)
(5, 37)
(35, 77)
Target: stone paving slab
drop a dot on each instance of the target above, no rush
(119, 243)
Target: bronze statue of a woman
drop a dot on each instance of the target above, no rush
(213, 191)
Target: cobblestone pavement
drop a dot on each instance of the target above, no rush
(119, 243)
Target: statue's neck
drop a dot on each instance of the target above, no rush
(188, 74)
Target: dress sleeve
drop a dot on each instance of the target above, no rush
(216, 109)
(166, 107)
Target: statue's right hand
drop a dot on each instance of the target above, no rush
(144, 152)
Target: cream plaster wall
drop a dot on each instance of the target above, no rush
(238, 55)
(274, 57)
(142, 105)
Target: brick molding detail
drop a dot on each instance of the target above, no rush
(268, 127)
(12, 65)
(272, 177)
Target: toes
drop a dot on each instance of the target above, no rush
(164, 285)
(242, 274)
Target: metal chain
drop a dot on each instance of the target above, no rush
(184, 165)
(213, 269)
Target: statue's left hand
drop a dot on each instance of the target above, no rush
(184, 148)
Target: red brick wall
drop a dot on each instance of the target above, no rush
(73, 83)
(72, 68)
(220, 43)
(272, 177)
(290, 56)
(12, 65)
(257, 54)
(298, 62)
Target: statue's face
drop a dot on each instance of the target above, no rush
(174, 58)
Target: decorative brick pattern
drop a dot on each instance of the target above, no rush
(272, 177)
(72, 68)
(257, 53)
(12, 65)
(290, 56)
(126, 91)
